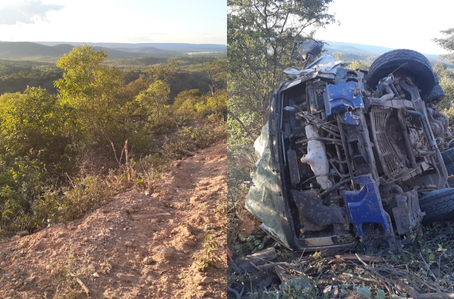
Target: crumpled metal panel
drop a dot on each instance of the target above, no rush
(351, 119)
(265, 199)
(364, 206)
(314, 211)
(342, 98)
(407, 214)
(324, 67)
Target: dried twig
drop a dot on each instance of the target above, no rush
(416, 295)
(189, 153)
(428, 267)
(272, 265)
(81, 283)
(362, 262)
(237, 294)
(350, 257)
(87, 291)
(386, 283)
(280, 271)
(234, 266)
(128, 165)
(408, 289)
(376, 281)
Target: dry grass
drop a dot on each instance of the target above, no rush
(423, 270)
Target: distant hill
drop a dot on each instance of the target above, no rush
(16, 50)
(364, 51)
(353, 48)
(35, 51)
(173, 47)
(51, 51)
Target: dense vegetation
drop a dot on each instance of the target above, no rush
(89, 129)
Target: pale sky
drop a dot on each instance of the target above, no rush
(125, 21)
(407, 24)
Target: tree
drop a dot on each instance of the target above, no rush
(217, 73)
(193, 95)
(185, 104)
(30, 124)
(151, 103)
(214, 106)
(89, 91)
(358, 65)
(261, 34)
(447, 43)
(166, 74)
(446, 81)
(338, 56)
(446, 77)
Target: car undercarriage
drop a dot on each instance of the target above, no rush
(352, 155)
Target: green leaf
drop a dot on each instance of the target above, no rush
(431, 257)
(380, 294)
(364, 292)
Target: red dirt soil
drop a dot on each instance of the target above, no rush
(137, 246)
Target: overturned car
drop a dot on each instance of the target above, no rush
(353, 154)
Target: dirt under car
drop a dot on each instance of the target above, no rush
(352, 155)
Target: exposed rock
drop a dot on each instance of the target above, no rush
(147, 260)
(190, 242)
(168, 252)
(202, 280)
(186, 231)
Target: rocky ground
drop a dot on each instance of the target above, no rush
(137, 246)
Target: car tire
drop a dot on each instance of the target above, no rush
(448, 158)
(436, 94)
(409, 61)
(438, 205)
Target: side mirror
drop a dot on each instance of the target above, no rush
(308, 50)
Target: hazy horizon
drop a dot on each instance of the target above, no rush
(102, 21)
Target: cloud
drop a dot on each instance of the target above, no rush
(28, 12)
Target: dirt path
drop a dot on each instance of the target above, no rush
(137, 246)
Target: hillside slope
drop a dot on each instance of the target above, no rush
(137, 246)
(29, 50)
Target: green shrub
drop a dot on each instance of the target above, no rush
(189, 139)
(72, 202)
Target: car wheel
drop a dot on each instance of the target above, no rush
(408, 61)
(438, 205)
(448, 158)
(436, 94)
